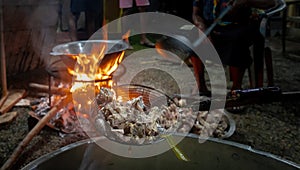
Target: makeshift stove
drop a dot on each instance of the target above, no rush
(134, 113)
(79, 65)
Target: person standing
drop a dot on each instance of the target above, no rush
(233, 36)
(93, 10)
(127, 6)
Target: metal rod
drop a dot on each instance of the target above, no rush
(49, 89)
(212, 26)
(245, 97)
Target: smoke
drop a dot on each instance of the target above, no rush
(30, 33)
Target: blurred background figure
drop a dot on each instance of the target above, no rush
(233, 36)
(93, 20)
(129, 7)
(181, 9)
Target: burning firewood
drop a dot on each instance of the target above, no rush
(66, 118)
(45, 88)
(38, 127)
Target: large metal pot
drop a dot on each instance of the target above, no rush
(213, 154)
(67, 50)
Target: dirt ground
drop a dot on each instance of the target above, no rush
(271, 127)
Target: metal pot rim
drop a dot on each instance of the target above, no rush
(46, 157)
(61, 48)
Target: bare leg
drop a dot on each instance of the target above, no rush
(73, 26)
(125, 29)
(237, 74)
(199, 74)
(90, 18)
(144, 40)
(258, 56)
(269, 66)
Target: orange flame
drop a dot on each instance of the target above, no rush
(126, 36)
(88, 69)
(95, 66)
(92, 71)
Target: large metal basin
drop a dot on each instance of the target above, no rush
(68, 50)
(213, 154)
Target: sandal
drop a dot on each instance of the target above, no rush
(235, 109)
(232, 95)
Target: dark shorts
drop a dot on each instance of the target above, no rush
(232, 43)
(78, 6)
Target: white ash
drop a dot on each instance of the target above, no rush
(42, 106)
(214, 124)
(65, 120)
(132, 121)
(105, 96)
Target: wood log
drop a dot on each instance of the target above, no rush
(13, 98)
(3, 61)
(3, 99)
(37, 128)
(8, 117)
(45, 88)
